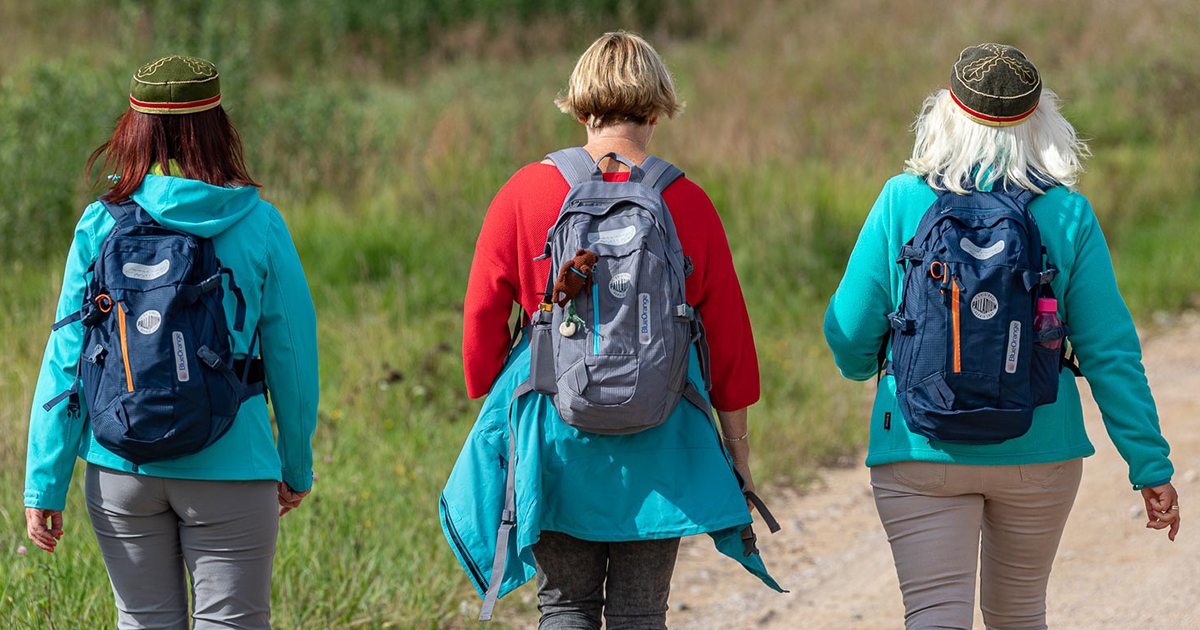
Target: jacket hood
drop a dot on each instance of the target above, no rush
(193, 206)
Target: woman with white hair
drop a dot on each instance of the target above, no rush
(977, 433)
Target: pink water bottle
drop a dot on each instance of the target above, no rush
(1047, 318)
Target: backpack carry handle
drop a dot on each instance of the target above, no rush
(635, 172)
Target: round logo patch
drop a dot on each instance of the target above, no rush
(984, 305)
(619, 285)
(149, 322)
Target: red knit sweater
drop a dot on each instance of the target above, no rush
(503, 271)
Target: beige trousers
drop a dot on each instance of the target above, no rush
(946, 521)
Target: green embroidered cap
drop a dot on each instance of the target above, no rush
(175, 85)
(995, 85)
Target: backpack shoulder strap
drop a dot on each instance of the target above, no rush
(1022, 196)
(575, 165)
(127, 213)
(659, 173)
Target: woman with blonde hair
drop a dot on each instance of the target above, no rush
(977, 434)
(598, 516)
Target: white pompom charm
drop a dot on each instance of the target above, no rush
(567, 328)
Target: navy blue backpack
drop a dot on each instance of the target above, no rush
(963, 354)
(157, 370)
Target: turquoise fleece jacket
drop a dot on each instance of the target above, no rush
(1103, 336)
(250, 237)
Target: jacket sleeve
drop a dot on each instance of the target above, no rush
(288, 334)
(1106, 342)
(54, 435)
(856, 323)
(491, 291)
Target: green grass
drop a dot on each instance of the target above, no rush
(797, 114)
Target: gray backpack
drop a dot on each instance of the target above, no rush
(623, 369)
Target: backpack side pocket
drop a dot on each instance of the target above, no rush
(1044, 374)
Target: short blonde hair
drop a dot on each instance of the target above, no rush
(620, 78)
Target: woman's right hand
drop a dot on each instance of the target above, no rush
(290, 499)
(1162, 508)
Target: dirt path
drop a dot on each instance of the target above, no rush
(1110, 573)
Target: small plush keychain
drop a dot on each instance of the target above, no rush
(572, 278)
(571, 323)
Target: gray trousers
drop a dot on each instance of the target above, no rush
(573, 575)
(154, 532)
(947, 521)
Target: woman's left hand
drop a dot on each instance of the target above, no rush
(1162, 508)
(35, 527)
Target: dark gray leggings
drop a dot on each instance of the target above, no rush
(573, 575)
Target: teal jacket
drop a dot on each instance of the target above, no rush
(250, 237)
(1103, 336)
(675, 479)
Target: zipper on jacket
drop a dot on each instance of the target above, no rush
(595, 317)
(462, 549)
(124, 346)
(954, 315)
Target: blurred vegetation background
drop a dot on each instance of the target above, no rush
(382, 129)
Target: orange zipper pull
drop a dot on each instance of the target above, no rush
(124, 345)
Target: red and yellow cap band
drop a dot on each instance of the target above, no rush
(992, 121)
(174, 108)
